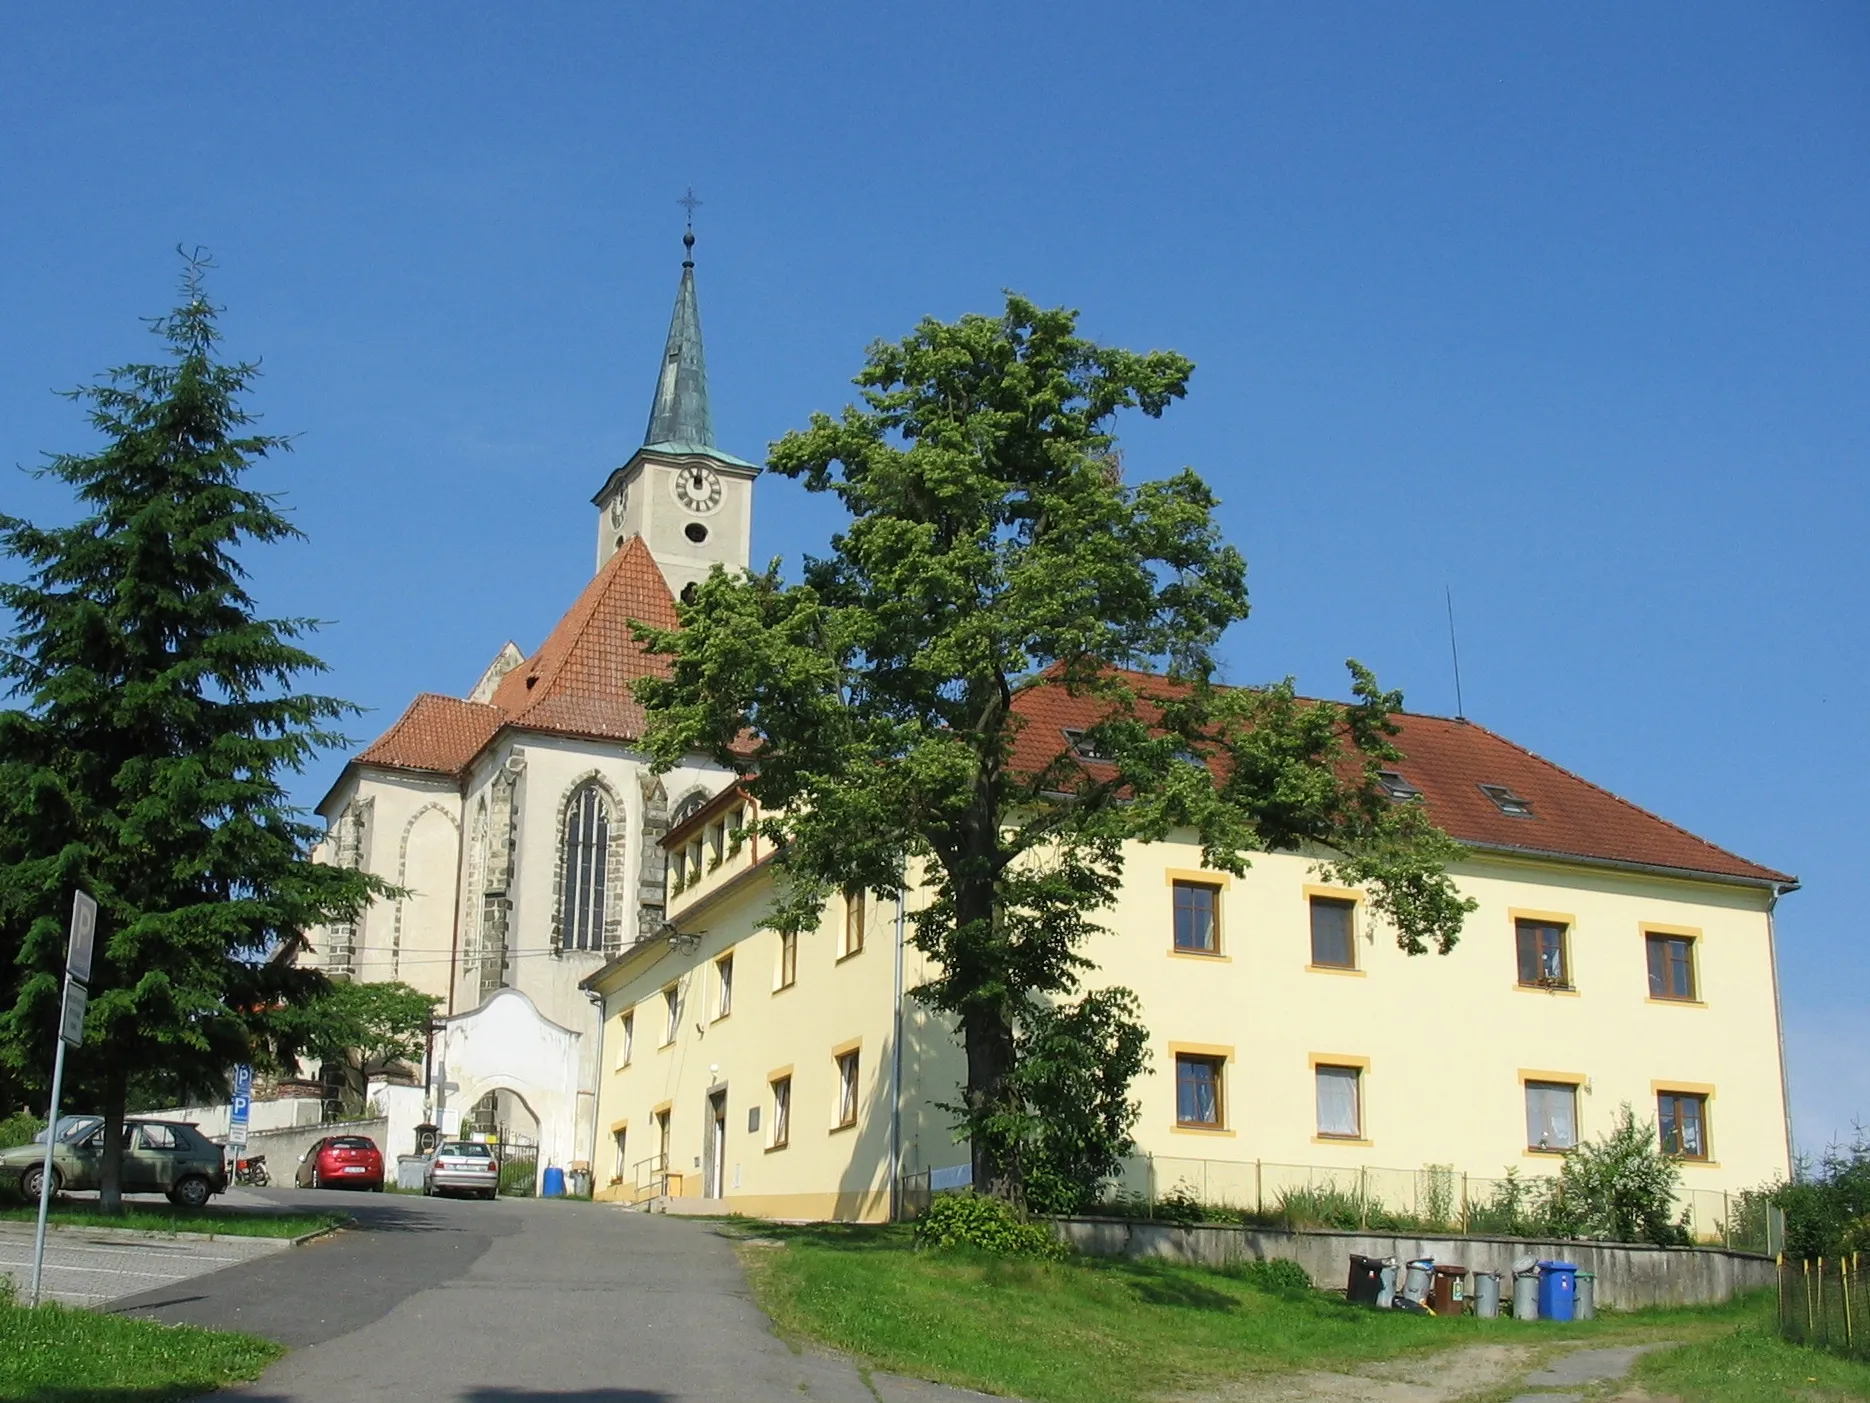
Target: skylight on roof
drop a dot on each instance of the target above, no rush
(1397, 787)
(1507, 802)
(1082, 748)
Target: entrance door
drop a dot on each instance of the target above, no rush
(717, 1145)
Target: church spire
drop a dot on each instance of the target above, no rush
(679, 417)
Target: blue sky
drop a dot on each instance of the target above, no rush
(1564, 309)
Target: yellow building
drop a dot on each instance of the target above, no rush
(1613, 958)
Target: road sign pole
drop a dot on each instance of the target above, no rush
(45, 1173)
(70, 1033)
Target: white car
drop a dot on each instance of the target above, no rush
(462, 1167)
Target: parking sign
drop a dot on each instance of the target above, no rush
(83, 933)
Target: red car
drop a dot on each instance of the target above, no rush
(341, 1162)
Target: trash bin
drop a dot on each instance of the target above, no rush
(1417, 1280)
(1447, 1292)
(1386, 1295)
(1486, 1294)
(1365, 1286)
(578, 1183)
(1585, 1307)
(409, 1171)
(1526, 1295)
(1558, 1290)
(555, 1183)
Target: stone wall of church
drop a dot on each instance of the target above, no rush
(553, 770)
(406, 829)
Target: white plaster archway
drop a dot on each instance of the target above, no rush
(508, 1045)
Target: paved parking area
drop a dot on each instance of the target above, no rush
(92, 1266)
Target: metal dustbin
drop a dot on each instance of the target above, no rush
(1417, 1280)
(1487, 1294)
(1558, 1290)
(1365, 1286)
(1584, 1307)
(1526, 1295)
(1447, 1292)
(1386, 1294)
(578, 1183)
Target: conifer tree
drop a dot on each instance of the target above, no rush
(155, 725)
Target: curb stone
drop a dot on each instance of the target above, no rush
(157, 1235)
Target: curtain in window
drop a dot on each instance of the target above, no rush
(586, 859)
(1337, 1101)
(1195, 1099)
(1679, 1118)
(1551, 1115)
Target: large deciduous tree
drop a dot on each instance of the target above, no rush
(884, 706)
(146, 761)
(361, 1028)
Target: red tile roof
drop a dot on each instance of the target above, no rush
(1448, 761)
(436, 733)
(579, 682)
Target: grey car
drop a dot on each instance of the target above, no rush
(461, 1167)
(159, 1157)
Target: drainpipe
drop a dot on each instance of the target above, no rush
(597, 1084)
(1779, 1025)
(896, 1072)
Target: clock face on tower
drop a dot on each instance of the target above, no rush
(698, 489)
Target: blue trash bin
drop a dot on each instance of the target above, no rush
(555, 1188)
(1558, 1290)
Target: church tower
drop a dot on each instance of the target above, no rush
(691, 503)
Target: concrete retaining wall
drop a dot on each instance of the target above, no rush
(1628, 1277)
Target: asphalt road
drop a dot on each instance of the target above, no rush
(466, 1302)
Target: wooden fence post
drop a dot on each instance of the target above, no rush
(1259, 1188)
(1844, 1286)
(1818, 1319)
(1811, 1319)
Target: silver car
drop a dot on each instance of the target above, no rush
(461, 1167)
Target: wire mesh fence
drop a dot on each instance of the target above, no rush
(1825, 1304)
(1432, 1198)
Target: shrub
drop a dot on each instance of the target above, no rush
(983, 1224)
(1620, 1188)
(19, 1128)
(1827, 1205)
(1280, 1275)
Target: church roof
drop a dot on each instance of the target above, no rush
(1453, 764)
(436, 733)
(580, 682)
(679, 417)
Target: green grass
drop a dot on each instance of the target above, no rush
(57, 1355)
(154, 1217)
(1078, 1331)
(1753, 1365)
(1102, 1331)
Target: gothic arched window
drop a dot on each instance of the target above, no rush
(688, 808)
(586, 866)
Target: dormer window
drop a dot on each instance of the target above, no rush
(1507, 802)
(1084, 749)
(1397, 787)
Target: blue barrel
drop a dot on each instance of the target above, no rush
(1558, 1290)
(555, 1188)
